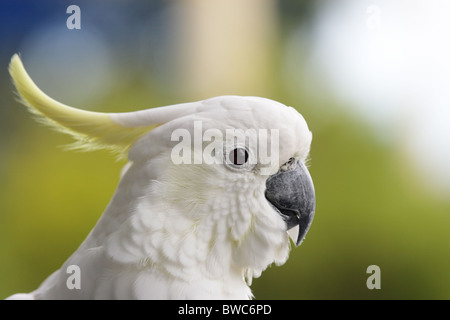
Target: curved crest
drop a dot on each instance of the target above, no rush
(92, 130)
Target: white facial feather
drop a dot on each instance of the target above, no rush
(221, 213)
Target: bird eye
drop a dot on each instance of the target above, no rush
(238, 156)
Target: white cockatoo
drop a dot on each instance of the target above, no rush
(210, 195)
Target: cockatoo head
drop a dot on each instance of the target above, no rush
(219, 183)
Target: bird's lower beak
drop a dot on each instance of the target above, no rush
(291, 193)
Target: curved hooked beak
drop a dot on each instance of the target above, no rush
(291, 193)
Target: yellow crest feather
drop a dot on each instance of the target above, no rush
(92, 130)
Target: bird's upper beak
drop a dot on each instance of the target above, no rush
(291, 193)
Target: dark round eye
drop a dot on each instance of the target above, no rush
(238, 156)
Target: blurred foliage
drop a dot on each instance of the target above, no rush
(371, 209)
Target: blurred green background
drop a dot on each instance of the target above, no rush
(370, 79)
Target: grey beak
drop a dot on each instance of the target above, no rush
(291, 193)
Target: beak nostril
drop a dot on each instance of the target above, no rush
(290, 165)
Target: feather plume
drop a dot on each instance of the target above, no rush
(91, 130)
